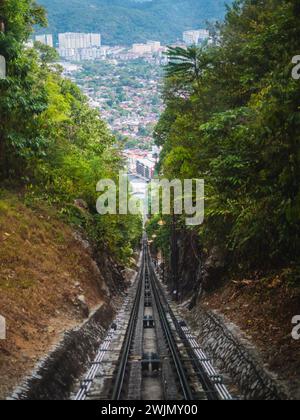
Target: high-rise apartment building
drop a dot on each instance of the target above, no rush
(95, 40)
(195, 37)
(80, 46)
(78, 40)
(45, 39)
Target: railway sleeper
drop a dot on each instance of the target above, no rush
(151, 362)
(148, 322)
(148, 303)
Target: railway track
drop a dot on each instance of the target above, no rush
(149, 352)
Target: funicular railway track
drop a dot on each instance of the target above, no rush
(158, 358)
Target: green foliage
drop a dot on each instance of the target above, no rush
(47, 54)
(158, 229)
(22, 95)
(186, 64)
(52, 143)
(232, 118)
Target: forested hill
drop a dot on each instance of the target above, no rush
(127, 21)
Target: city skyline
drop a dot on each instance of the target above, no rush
(81, 46)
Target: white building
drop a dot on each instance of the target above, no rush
(141, 49)
(195, 37)
(150, 47)
(81, 46)
(155, 46)
(95, 40)
(45, 39)
(72, 40)
(82, 54)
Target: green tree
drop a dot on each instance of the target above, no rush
(53, 146)
(232, 118)
(22, 96)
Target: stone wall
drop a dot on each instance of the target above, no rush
(236, 356)
(55, 376)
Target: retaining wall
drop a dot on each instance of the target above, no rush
(237, 357)
(55, 376)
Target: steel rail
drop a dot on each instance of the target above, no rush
(214, 380)
(205, 371)
(123, 361)
(207, 375)
(181, 373)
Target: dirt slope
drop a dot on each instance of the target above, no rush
(44, 274)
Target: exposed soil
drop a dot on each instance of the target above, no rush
(263, 309)
(44, 269)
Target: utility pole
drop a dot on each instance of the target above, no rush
(174, 256)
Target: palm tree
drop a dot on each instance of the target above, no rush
(186, 63)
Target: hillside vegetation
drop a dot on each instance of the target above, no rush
(54, 147)
(127, 21)
(53, 151)
(232, 119)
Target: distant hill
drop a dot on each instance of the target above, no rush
(128, 21)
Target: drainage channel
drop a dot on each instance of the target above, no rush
(99, 378)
